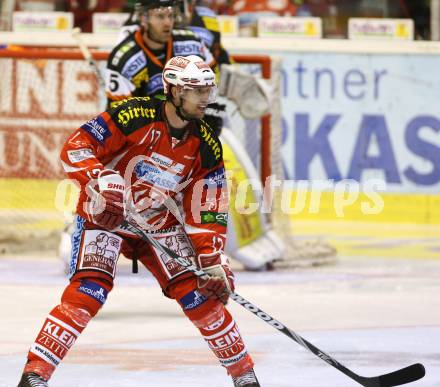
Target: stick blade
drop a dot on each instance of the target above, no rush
(405, 375)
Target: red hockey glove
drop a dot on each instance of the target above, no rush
(221, 279)
(109, 211)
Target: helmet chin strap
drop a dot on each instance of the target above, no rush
(180, 113)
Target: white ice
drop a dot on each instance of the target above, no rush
(372, 315)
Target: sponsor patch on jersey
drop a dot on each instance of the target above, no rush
(220, 218)
(188, 47)
(100, 251)
(78, 155)
(97, 128)
(156, 176)
(140, 77)
(154, 84)
(211, 142)
(204, 34)
(192, 300)
(165, 162)
(93, 290)
(54, 340)
(216, 177)
(134, 115)
(134, 65)
(76, 244)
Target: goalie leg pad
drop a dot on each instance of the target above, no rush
(218, 328)
(80, 301)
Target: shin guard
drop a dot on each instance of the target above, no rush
(81, 301)
(220, 331)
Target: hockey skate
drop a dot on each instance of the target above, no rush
(31, 379)
(248, 379)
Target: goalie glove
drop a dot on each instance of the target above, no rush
(251, 94)
(221, 279)
(107, 208)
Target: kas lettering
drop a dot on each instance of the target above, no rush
(311, 144)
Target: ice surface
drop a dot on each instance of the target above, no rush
(373, 315)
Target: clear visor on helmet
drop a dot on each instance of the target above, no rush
(200, 95)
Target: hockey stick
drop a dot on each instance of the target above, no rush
(402, 376)
(76, 34)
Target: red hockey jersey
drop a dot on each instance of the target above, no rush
(162, 174)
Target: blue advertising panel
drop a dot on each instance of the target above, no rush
(362, 116)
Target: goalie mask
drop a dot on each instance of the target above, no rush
(195, 84)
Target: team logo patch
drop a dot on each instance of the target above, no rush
(216, 178)
(97, 128)
(93, 290)
(192, 300)
(214, 217)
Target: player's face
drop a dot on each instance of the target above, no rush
(160, 24)
(195, 101)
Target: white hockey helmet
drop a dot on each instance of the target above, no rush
(189, 72)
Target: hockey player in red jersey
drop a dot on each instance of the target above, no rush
(131, 162)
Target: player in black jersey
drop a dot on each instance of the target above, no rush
(135, 65)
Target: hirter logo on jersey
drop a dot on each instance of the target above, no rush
(211, 141)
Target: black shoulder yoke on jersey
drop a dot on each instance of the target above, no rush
(122, 52)
(211, 151)
(134, 113)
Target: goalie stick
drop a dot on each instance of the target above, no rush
(402, 376)
(76, 34)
